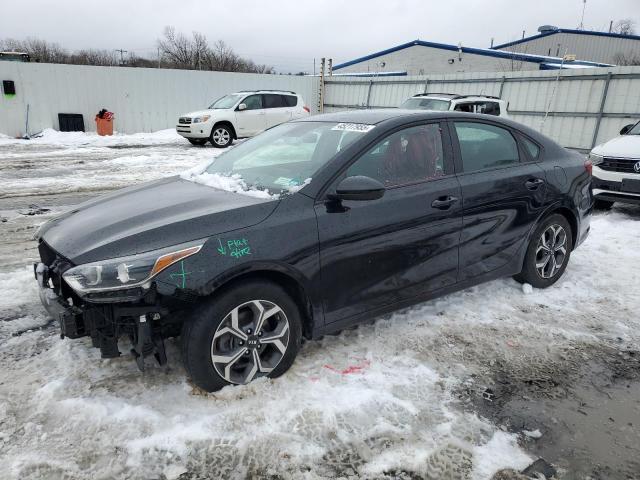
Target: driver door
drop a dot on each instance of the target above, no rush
(252, 120)
(381, 252)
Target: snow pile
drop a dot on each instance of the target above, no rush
(50, 136)
(297, 188)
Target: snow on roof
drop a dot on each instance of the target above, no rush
(524, 57)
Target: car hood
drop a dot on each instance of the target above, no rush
(199, 113)
(150, 216)
(626, 146)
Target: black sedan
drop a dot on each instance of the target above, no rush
(308, 228)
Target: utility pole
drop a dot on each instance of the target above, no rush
(122, 52)
(584, 6)
(321, 92)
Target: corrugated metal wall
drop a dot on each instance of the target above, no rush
(595, 48)
(577, 108)
(143, 99)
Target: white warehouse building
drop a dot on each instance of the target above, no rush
(586, 45)
(422, 58)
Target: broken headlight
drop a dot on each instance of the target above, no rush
(126, 272)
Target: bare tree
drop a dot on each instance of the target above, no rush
(176, 48)
(626, 26)
(624, 59)
(106, 58)
(38, 50)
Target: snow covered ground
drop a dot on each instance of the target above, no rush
(456, 388)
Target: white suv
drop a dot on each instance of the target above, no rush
(240, 115)
(459, 103)
(616, 169)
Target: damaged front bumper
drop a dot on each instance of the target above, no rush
(104, 323)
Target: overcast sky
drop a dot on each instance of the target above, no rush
(290, 33)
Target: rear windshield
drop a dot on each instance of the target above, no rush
(418, 103)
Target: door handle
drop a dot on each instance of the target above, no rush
(533, 183)
(443, 203)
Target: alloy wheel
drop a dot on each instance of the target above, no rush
(250, 342)
(221, 136)
(551, 251)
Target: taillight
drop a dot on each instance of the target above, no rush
(588, 166)
(306, 109)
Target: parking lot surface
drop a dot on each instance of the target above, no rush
(487, 379)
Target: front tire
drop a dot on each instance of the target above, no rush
(221, 136)
(548, 252)
(251, 330)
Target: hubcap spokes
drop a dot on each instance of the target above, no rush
(221, 136)
(250, 342)
(551, 251)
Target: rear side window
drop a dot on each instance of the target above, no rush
(290, 100)
(408, 156)
(532, 149)
(488, 108)
(485, 146)
(273, 101)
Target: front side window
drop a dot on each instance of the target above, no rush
(253, 102)
(287, 155)
(411, 155)
(418, 103)
(485, 146)
(635, 130)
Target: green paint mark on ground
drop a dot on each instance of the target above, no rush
(9, 95)
(181, 275)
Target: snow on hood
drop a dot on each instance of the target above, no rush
(627, 146)
(233, 183)
(199, 113)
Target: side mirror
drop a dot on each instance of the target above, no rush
(626, 129)
(242, 106)
(358, 188)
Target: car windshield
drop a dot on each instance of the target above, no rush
(286, 156)
(418, 103)
(635, 130)
(227, 101)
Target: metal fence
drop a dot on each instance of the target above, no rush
(577, 108)
(143, 99)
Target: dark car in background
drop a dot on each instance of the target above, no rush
(341, 217)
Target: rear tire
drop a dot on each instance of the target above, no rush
(602, 204)
(197, 141)
(221, 136)
(224, 329)
(548, 252)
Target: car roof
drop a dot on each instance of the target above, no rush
(267, 91)
(454, 96)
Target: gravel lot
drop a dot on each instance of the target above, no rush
(486, 379)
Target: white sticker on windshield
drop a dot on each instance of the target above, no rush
(353, 127)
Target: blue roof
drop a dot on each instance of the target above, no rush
(568, 30)
(523, 57)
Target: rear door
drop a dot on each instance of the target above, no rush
(503, 195)
(276, 109)
(252, 120)
(380, 252)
